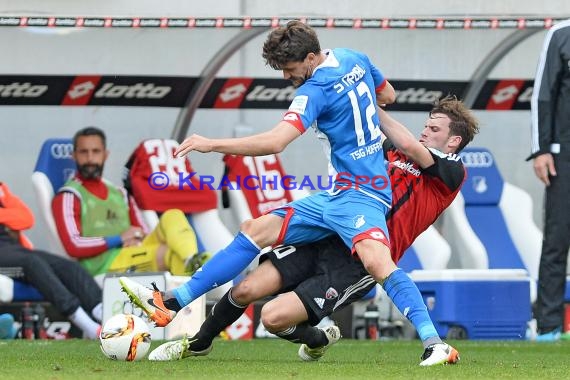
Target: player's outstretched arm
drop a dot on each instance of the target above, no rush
(273, 141)
(387, 95)
(404, 140)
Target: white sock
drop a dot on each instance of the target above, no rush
(6, 289)
(97, 312)
(81, 319)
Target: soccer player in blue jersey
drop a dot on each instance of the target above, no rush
(337, 94)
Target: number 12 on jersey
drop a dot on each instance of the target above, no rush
(363, 95)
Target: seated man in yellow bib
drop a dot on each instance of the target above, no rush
(102, 227)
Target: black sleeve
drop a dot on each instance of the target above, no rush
(447, 167)
(546, 85)
(387, 146)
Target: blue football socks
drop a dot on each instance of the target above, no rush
(408, 299)
(223, 267)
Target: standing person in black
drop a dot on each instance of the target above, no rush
(550, 111)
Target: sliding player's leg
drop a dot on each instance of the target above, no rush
(264, 281)
(223, 267)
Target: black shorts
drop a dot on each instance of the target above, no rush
(324, 275)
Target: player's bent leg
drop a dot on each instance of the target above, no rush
(264, 281)
(264, 230)
(287, 317)
(439, 353)
(221, 268)
(150, 301)
(225, 312)
(283, 312)
(375, 257)
(232, 260)
(309, 354)
(176, 350)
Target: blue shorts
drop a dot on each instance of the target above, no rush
(352, 215)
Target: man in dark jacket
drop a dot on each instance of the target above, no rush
(550, 110)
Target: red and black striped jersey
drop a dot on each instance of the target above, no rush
(419, 195)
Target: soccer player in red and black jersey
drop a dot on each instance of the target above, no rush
(319, 278)
(424, 183)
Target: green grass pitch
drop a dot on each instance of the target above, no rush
(277, 359)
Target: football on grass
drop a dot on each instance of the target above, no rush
(125, 337)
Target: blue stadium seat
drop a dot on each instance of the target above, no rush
(490, 224)
(482, 194)
(54, 167)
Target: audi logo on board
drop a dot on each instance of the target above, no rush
(476, 159)
(61, 151)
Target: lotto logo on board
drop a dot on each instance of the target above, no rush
(81, 90)
(505, 94)
(232, 93)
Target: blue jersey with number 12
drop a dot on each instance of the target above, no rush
(339, 101)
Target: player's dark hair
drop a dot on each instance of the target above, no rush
(463, 122)
(290, 43)
(89, 131)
